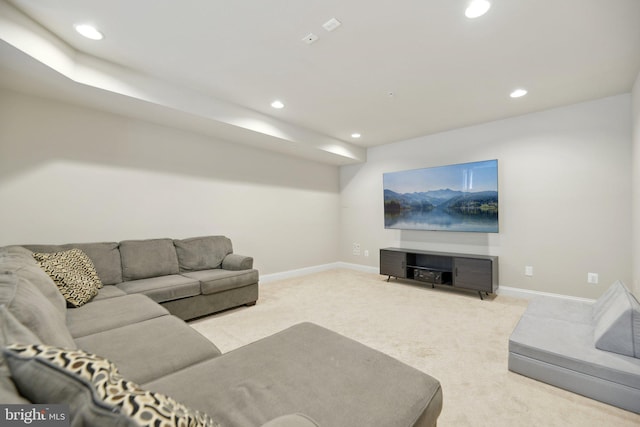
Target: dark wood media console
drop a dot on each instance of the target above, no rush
(463, 271)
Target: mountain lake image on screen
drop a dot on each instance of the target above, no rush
(460, 197)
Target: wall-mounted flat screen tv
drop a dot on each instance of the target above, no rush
(461, 197)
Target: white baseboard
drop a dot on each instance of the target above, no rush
(529, 294)
(502, 290)
(358, 267)
(297, 273)
(315, 269)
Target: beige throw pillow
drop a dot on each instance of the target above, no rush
(93, 388)
(74, 274)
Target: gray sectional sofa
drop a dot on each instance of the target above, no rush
(122, 339)
(189, 277)
(592, 349)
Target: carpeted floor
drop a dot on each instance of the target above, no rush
(451, 335)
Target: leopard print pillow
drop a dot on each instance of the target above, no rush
(108, 389)
(74, 274)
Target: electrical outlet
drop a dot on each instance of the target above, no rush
(528, 271)
(592, 278)
(366, 252)
(356, 248)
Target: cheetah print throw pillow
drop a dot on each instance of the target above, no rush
(73, 273)
(94, 389)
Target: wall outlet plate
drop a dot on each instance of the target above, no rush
(356, 248)
(592, 278)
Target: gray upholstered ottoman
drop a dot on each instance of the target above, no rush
(310, 370)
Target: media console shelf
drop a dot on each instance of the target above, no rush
(464, 271)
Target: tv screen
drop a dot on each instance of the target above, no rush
(461, 197)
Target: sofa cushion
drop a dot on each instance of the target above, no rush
(74, 274)
(105, 257)
(151, 349)
(291, 420)
(572, 311)
(564, 343)
(20, 261)
(109, 292)
(218, 280)
(237, 262)
(332, 379)
(202, 253)
(11, 332)
(44, 248)
(93, 388)
(110, 313)
(617, 328)
(148, 258)
(33, 310)
(163, 288)
(14, 332)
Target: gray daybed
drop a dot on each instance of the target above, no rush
(190, 277)
(303, 376)
(589, 349)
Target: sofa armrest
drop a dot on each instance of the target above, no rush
(237, 262)
(291, 420)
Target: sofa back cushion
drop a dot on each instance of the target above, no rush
(44, 248)
(11, 332)
(148, 258)
(202, 253)
(105, 257)
(617, 327)
(20, 261)
(30, 307)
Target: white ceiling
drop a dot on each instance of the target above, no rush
(225, 61)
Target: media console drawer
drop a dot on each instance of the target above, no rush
(464, 271)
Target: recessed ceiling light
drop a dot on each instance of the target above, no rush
(277, 104)
(477, 8)
(331, 24)
(355, 135)
(518, 93)
(89, 31)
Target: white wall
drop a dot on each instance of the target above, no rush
(635, 114)
(71, 174)
(565, 196)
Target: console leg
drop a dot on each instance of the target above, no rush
(480, 293)
(388, 277)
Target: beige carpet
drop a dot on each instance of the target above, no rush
(453, 336)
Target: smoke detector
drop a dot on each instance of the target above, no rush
(310, 38)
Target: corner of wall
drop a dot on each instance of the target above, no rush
(635, 184)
